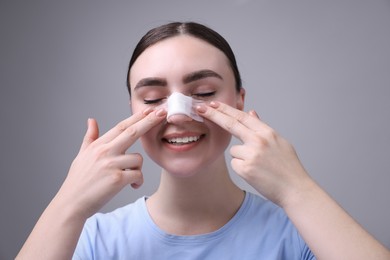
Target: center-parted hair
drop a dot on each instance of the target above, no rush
(196, 30)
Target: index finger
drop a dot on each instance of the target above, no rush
(128, 137)
(235, 121)
(226, 121)
(122, 126)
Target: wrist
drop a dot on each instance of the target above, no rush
(71, 213)
(299, 194)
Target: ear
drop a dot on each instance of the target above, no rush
(241, 99)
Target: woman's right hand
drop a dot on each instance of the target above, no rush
(102, 167)
(100, 170)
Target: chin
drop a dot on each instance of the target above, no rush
(183, 168)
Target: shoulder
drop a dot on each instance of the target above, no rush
(118, 219)
(269, 227)
(261, 216)
(104, 235)
(260, 207)
(268, 216)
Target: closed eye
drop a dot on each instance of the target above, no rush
(152, 101)
(205, 94)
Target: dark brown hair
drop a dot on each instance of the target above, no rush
(189, 28)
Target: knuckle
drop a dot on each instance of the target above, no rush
(270, 134)
(211, 113)
(137, 175)
(131, 131)
(151, 118)
(261, 140)
(100, 152)
(121, 126)
(241, 117)
(230, 124)
(117, 177)
(88, 139)
(266, 137)
(109, 163)
(148, 122)
(139, 159)
(247, 171)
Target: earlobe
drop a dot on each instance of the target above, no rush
(241, 99)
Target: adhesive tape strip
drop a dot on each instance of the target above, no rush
(179, 104)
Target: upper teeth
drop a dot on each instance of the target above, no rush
(183, 140)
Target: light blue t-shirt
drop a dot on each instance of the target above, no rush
(259, 230)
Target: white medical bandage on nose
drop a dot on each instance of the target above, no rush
(179, 104)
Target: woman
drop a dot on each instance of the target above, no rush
(197, 211)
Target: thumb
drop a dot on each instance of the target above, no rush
(91, 135)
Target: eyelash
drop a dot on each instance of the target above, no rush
(153, 101)
(204, 95)
(197, 95)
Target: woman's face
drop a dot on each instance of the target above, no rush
(194, 68)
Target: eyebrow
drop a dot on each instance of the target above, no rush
(200, 74)
(159, 82)
(191, 77)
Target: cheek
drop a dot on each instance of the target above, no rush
(219, 137)
(136, 106)
(146, 143)
(150, 142)
(150, 136)
(229, 97)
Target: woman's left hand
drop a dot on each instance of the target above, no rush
(270, 164)
(264, 159)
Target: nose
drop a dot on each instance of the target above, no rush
(178, 118)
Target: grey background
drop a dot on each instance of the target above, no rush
(316, 71)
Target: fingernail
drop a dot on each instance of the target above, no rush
(161, 112)
(214, 104)
(201, 108)
(253, 113)
(88, 122)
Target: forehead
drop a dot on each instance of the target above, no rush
(177, 56)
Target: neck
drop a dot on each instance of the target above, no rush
(198, 204)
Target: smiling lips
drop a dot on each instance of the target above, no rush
(179, 142)
(183, 140)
